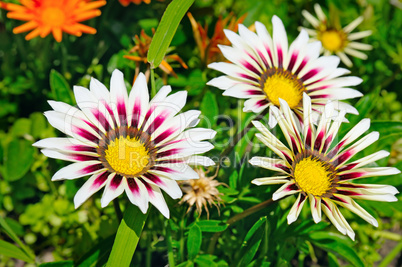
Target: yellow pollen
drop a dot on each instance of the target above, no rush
(312, 176)
(283, 85)
(332, 40)
(53, 17)
(127, 156)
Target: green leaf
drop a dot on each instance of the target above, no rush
(337, 244)
(233, 179)
(387, 128)
(10, 250)
(21, 127)
(58, 264)
(18, 159)
(166, 30)
(60, 88)
(209, 110)
(194, 241)
(38, 124)
(392, 255)
(127, 237)
(98, 255)
(212, 226)
(205, 260)
(252, 242)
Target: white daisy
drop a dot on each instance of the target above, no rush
(126, 142)
(265, 69)
(315, 167)
(336, 40)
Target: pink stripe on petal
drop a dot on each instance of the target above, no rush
(294, 146)
(319, 96)
(82, 148)
(261, 102)
(168, 152)
(293, 60)
(100, 180)
(92, 168)
(348, 167)
(339, 199)
(136, 113)
(116, 181)
(245, 76)
(164, 135)
(133, 186)
(154, 179)
(280, 57)
(318, 140)
(162, 169)
(84, 157)
(85, 134)
(348, 193)
(350, 176)
(157, 122)
(148, 187)
(250, 67)
(254, 92)
(302, 65)
(101, 119)
(308, 138)
(263, 58)
(310, 74)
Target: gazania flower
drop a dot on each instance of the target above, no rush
(126, 142)
(316, 168)
(336, 40)
(208, 47)
(201, 192)
(56, 17)
(266, 69)
(141, 48)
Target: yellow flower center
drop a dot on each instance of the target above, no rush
(282, 84)
(332, 40)
(53, 17)
(313, 176)
(127, 156)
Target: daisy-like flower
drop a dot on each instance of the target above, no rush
(126, 142)
(201, 192)
(317, 168)
(334, 38)
(56, 17)
(265, 69)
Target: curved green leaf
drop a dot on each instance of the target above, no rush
(166, 30)
(194, 241)
(13, 251)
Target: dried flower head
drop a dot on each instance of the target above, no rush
(201, 192)
(209, 51)
(140, 50)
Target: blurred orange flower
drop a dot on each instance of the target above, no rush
(49, 16)
(141, 48)
(209, 51)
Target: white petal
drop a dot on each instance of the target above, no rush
(353, 25)
(111, 191)
(285, 190)
(156, 198)
(77, 170)
(138, 100)
(296, 209)
(271, 180)
(96, 182)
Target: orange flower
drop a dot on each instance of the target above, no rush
(53, 16)
(137, 2)
(209, 51)
(141, 48)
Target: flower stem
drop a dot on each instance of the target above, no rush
(169, 245)
(127, 237)
(117, 209)
(240, 135)
(238, 217)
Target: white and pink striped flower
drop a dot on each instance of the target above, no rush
(125, 142)
(264, 69)
(337, 40)
(316, 167)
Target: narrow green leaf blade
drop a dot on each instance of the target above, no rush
(127, 237)
(194, 241)
(212, 226)
(60, 88)
(166, 30)
(386, 128)
(13, 251)
(252, 242)
(209, 109)
(58, 264)
(98, 255)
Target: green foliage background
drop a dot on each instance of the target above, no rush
(40, 213)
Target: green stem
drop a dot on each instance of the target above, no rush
(153, 87)
(238, 217)
(169, 245)
(117, 209)
(127, 237)
(240, 135)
